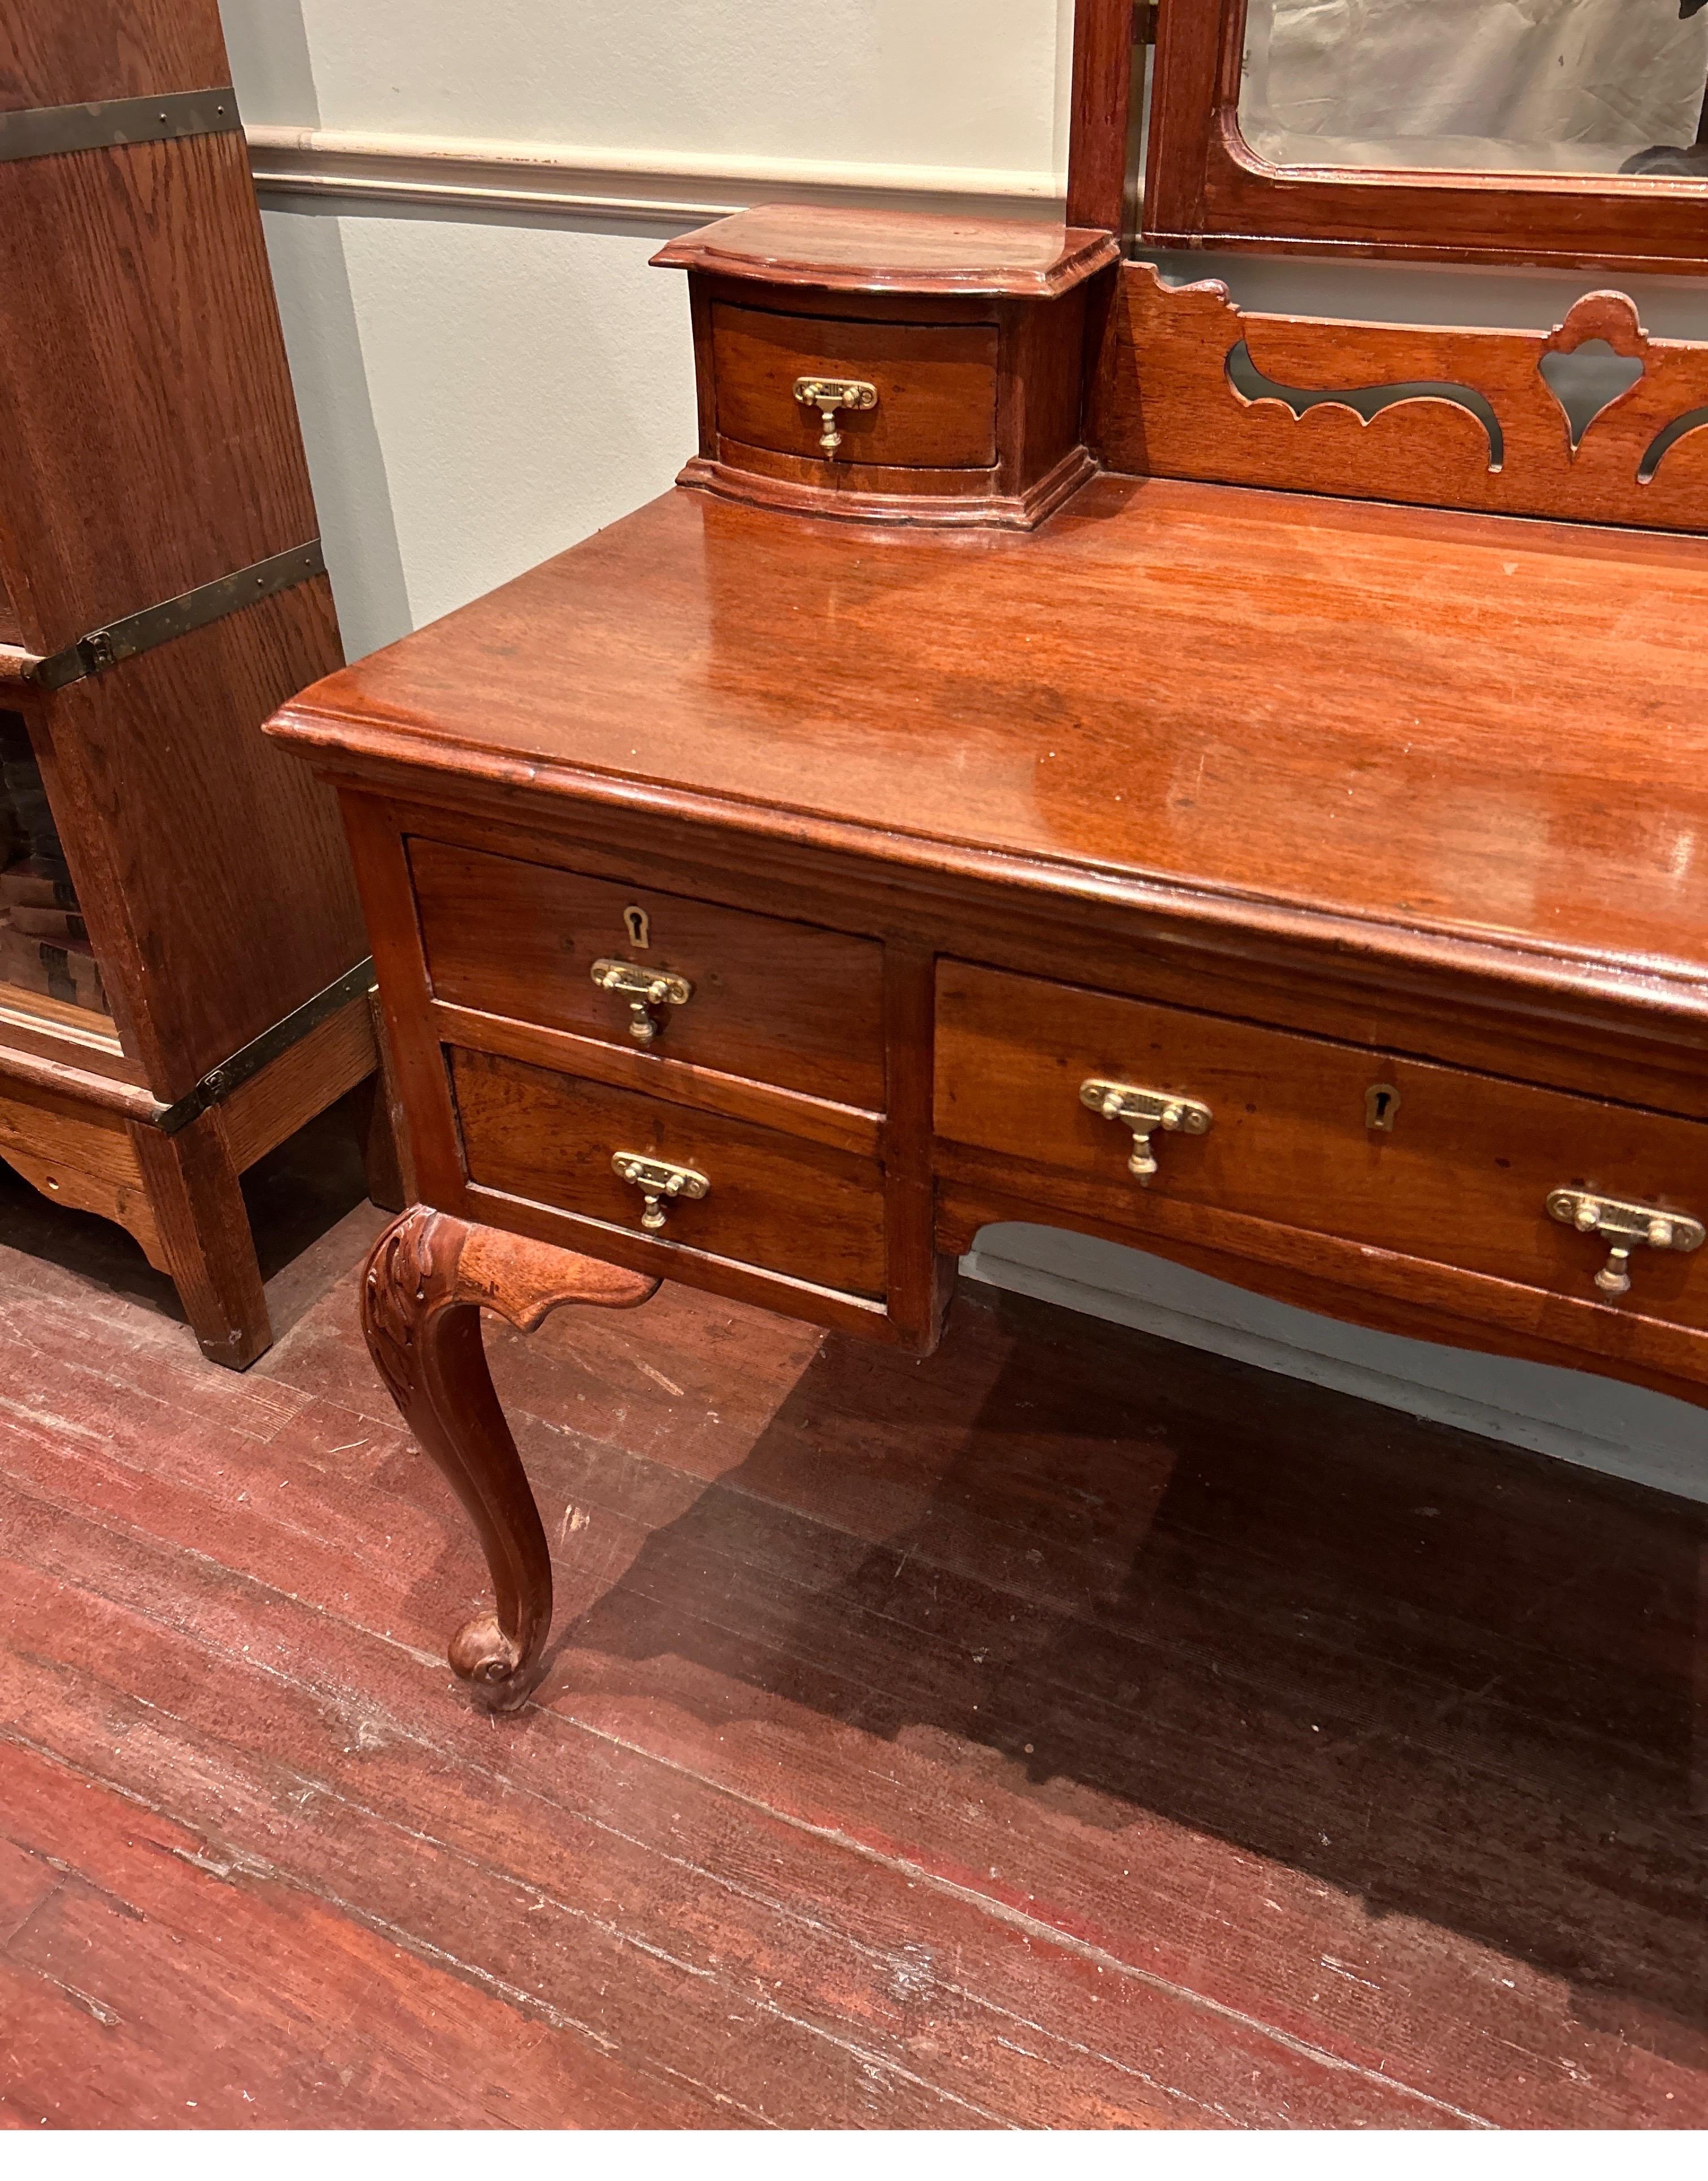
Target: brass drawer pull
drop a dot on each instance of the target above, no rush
(1144, 1112)
(1625, 1227)
(644, 989)
(661, 1183)
(826, 396)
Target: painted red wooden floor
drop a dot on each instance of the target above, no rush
(1070, 1731)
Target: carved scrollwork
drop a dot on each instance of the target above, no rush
(400, 1276)
(1444, 417)
(425, 1284)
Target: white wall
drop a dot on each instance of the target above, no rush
(484, 381)
(863, 81)
(487, 386)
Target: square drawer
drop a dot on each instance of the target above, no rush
(936, 387)
(1431, 1162)
(774, 1203)
(773, 1001)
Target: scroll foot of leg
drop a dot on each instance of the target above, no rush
(483, 1656)
(425, 1286)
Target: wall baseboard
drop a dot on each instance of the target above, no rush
(1595, 1423)
(473, 175)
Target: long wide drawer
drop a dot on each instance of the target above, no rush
(768, 999)
(1432, 1162)
(773, 1202)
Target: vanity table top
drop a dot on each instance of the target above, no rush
(1447, 731)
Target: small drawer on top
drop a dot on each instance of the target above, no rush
(1129, 1103)
(728, 1188)
(929, 391)
(756, 996)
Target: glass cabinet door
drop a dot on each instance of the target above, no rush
(45, 953)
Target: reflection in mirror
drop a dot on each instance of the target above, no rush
(1508, 86)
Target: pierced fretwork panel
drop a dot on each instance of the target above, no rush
(1193, 387)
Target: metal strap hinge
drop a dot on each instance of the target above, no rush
(157, 625)
(42, 132)
(220, 1082)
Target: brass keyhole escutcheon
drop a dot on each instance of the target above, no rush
(1381, 1108)
(639, 926)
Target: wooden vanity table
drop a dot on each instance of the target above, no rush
(1054, 787)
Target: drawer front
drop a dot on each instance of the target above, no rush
(775, 1204)
(936, 387)
(776, 1003)
(1461, 1177)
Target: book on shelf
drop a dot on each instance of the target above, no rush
(37, 882)
(62, 970)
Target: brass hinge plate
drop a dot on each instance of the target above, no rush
(44, 132)
(146, 631)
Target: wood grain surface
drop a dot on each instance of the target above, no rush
(213, 874)
(166, 391)
(775, 1202)
(1409, 723)
(60, 55)
(1461, 1175)
(1073, 1733)
(774, 1001)
(1166, 407)
(1100, 122)
(936, 387)
(923, 253)
(79, 1154)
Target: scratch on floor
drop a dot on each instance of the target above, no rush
(104, 2015)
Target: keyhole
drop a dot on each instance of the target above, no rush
(1381, 1104)
(639, 926)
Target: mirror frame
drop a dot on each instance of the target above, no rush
(1206, 189)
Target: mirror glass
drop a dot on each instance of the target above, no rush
(1506, 87)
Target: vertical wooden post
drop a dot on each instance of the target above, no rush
(193, 1186)
(1103, 32)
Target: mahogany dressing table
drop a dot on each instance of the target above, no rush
(1016, 776)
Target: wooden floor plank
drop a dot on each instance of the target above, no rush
(1069, 1730)
(611, 1838)
(376, 1740)
(244, 2004)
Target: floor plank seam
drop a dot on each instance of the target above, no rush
(243, 1863)
(990, 1904)
(1088, 1950)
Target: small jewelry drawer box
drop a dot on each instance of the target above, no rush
(944, 388)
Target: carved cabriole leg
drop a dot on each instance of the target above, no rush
(428, 1279)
